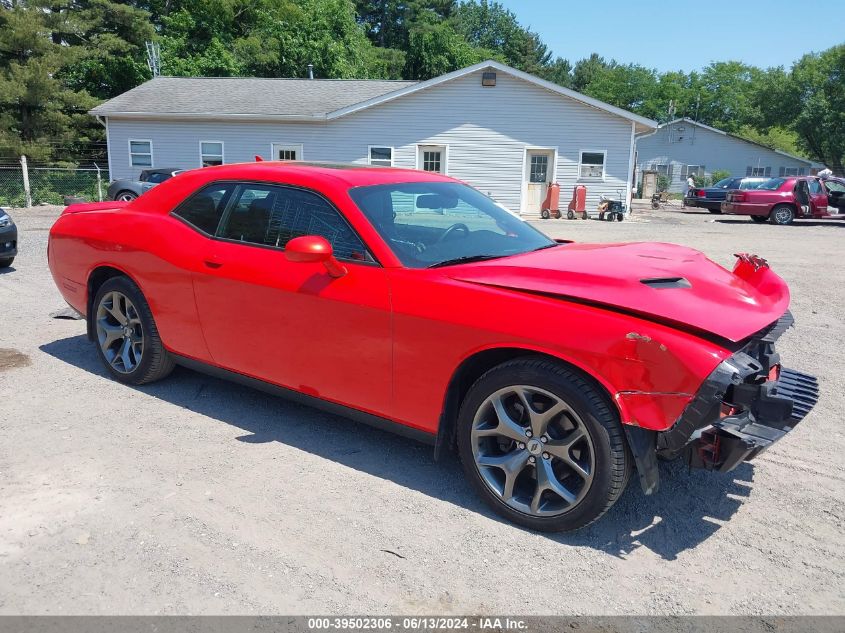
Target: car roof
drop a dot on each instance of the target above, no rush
(320, 176)
(351, 174)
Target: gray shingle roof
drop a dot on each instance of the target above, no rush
(197, 96)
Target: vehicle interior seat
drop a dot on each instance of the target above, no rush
(251, 224)
(199, 210)
(802, 195)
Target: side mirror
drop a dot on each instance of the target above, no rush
(313, 249)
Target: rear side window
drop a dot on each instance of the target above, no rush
(204, 209)
(157, 177)
(271, 216)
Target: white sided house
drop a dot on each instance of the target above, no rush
(683, 147)
(505, 132)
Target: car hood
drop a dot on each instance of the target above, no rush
(662, 282)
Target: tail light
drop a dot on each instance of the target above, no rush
(700, 193)
(737, 196)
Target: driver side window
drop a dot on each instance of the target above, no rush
(271, 215)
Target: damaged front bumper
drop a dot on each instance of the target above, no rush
(747, 404)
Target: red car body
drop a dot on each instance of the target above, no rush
(779, 200)
(648, 323)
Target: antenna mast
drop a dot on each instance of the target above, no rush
(154, 58)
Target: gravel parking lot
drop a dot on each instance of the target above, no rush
(198, 496)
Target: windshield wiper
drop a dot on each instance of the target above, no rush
(540, 248)
(464, 260)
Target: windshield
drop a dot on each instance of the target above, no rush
(724, 183)
(772, 184)
(435, 223)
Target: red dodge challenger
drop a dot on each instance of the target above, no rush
(413, 302)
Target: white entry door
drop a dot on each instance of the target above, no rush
(287, 151)
(538, 175)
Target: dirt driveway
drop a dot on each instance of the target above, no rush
(198, 496)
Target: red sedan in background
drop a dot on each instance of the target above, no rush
(784, 199)
(411, 301)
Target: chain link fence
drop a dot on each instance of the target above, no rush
(50, 185)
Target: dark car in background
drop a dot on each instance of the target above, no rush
(8, 239)
(126, 189)
(711, 198)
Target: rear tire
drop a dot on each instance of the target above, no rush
(581, 461)
(5, 263)
(719, 211)
(126, 196)
(570, 215)
(782, 215)
(545, 214)
(128, 342)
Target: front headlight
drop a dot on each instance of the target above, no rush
(5, 221)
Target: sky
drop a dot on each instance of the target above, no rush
(683, 36)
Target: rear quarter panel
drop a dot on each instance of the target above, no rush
(156, 251)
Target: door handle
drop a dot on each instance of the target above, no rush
(213, 263)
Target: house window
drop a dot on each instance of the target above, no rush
(758, 172)
(664, 170)
(791, 171)
(592, 164)
(141, 153)
(382, 156)
(695, 170)
(432, 158)
(211, 153)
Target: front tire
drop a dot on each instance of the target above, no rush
(782, 215)
(542, 446)
(126, 196)
(759, 219)
(719, 211)
(128, 342)
(5, 263)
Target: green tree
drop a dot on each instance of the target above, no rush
(108, 39)
(490, 26)
(558, 71)
(626, 86)
(724, 95)
(434, 48)
(271, 38)
(812, 103)
(38, 112)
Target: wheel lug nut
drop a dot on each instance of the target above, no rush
(532, 459)
(546, 456)
(528, 434)
(521, 445)
(544, 439)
